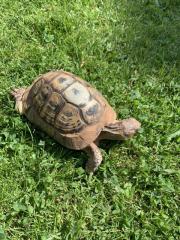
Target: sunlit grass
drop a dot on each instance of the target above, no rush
(128, 50)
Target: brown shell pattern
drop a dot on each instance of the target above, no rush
(52, 107)
(65, 103)
(42, 96)
(69, 119)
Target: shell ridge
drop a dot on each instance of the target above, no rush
(52, 79)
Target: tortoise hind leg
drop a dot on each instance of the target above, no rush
(95, 158)
(17, 93)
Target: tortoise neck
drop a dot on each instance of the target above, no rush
(113, 131)
(121, 130)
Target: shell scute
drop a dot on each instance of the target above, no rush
(92, 112)
(42, 96)
(68, 119)
(77, 94)
(52, 107)
(36, 86)
(61, 82)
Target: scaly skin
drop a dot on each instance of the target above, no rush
(95, 158)
(120, 129)
(17, 93)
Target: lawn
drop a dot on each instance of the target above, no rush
(129, 50)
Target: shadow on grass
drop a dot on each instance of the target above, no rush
(152, 35)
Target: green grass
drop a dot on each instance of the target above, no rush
(129, 50)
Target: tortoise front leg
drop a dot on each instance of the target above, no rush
(95, 158)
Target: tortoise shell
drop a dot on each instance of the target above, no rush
(67, 108)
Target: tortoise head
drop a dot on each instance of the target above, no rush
(123, 129)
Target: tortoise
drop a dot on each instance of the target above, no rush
(74, 113)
